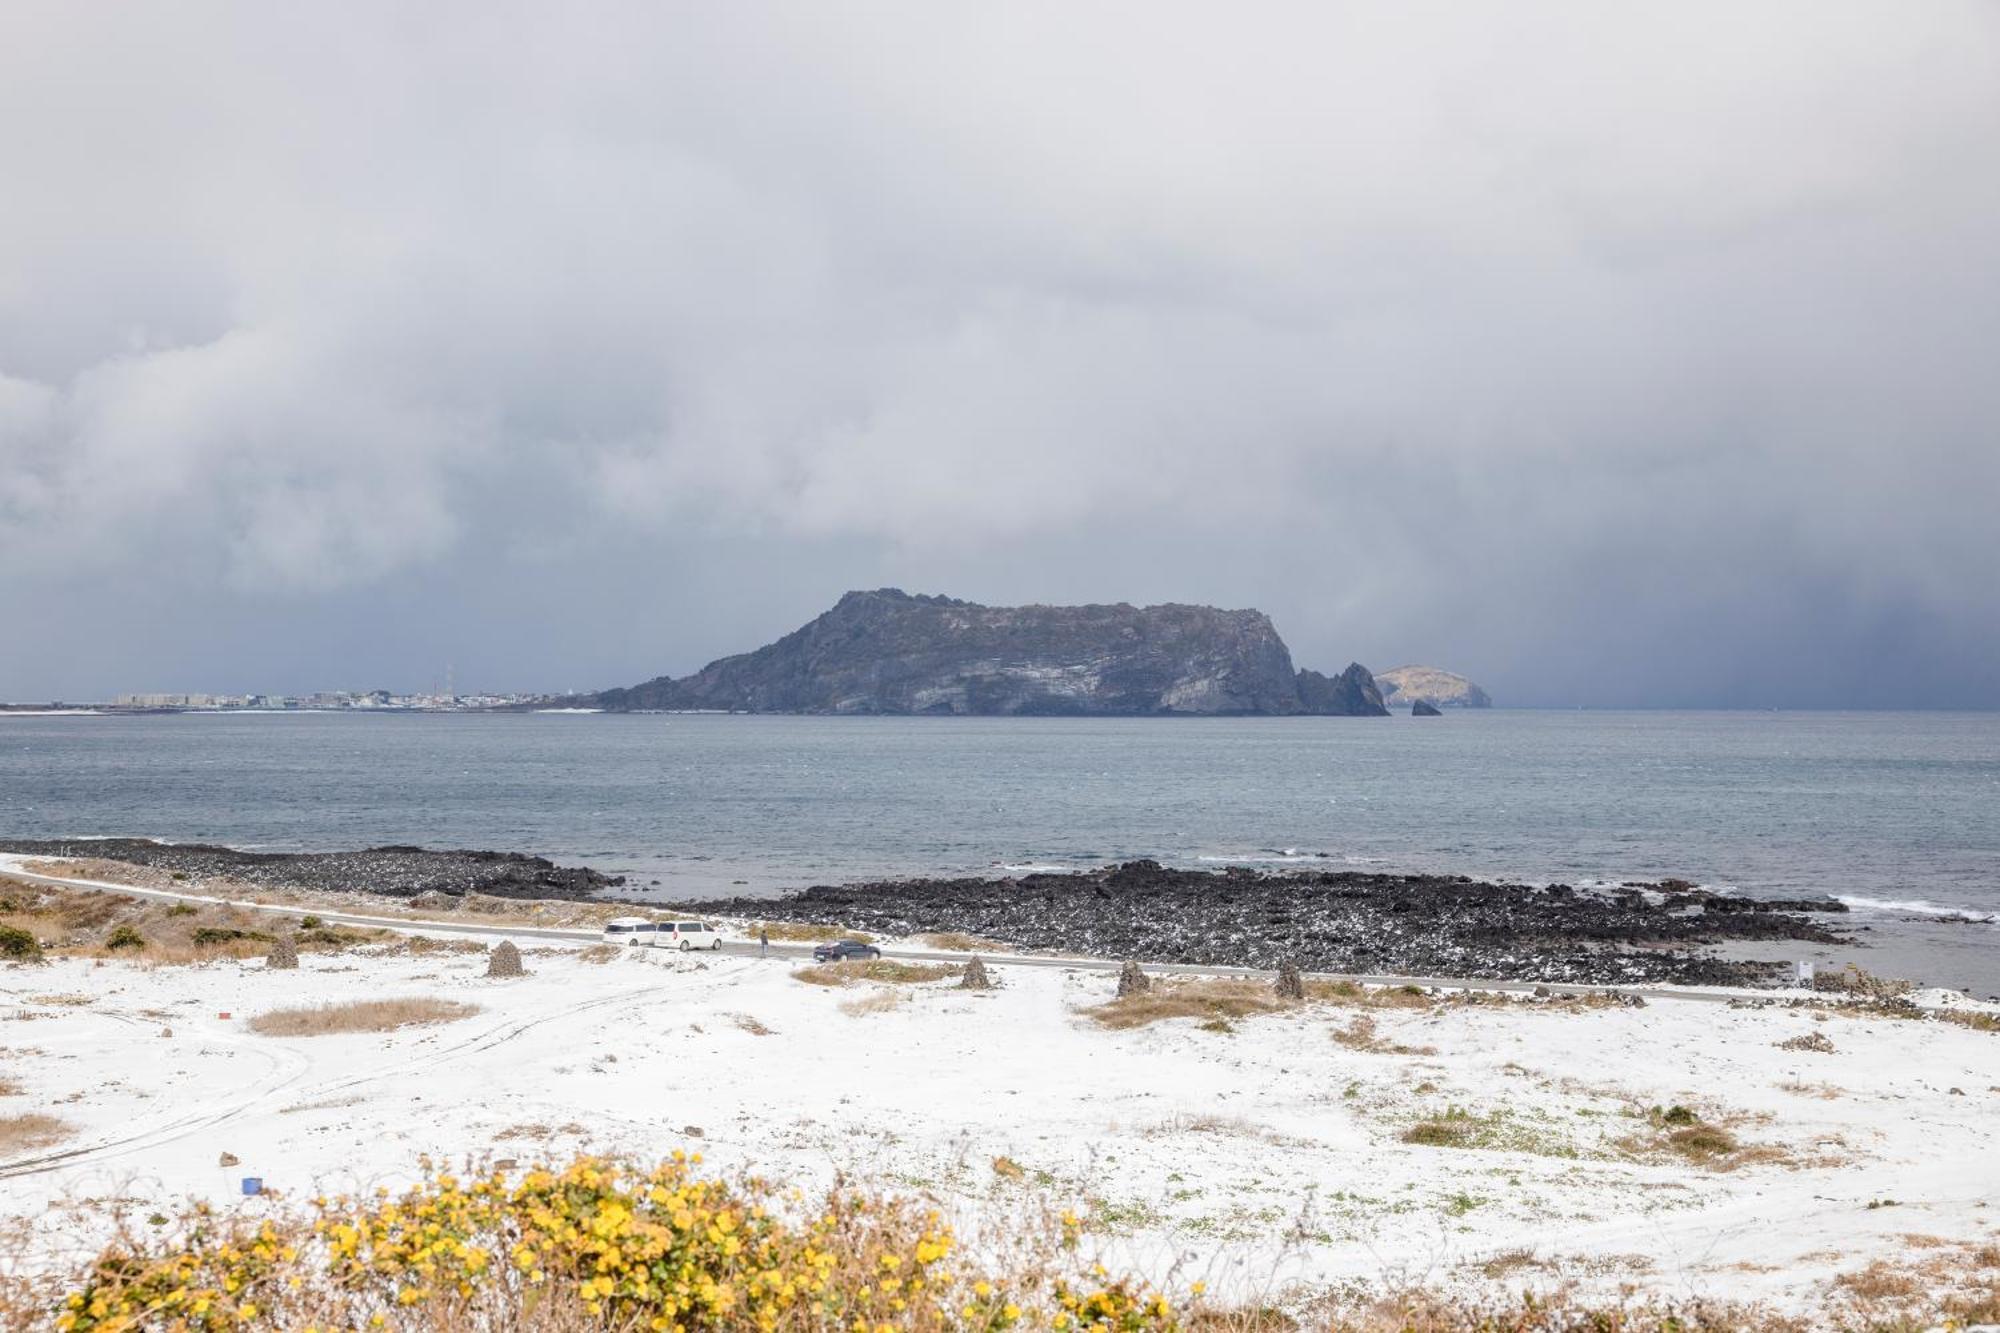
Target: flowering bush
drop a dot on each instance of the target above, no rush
(592, 1244)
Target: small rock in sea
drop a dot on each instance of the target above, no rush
(976, 976)
(1131, 981)
(284, 953)
(229, 1159)
(1425, 708)
(1289, 985)
(505, 961)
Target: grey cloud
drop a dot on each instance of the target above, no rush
(1609, 357)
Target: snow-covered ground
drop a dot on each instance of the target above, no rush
(1262, 1157)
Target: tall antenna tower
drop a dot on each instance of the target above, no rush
(450, 682)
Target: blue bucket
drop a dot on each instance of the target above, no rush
(253, 1185)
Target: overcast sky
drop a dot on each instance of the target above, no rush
(1606, 354)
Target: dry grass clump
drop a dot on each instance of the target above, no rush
(9, 1087)
(1213, 999)
(957, 941)
(1976, 1019)
(1456, 1128)
(25, 1133)
(599, 954)
(1954, 1284)
(1360, 1035)
(1808, 1041)
(887, 970)
(1852, 980)
(91, 923)
(1677, 1131)
(806, 932)
(1353, 994)
(426, 946)
(360, 1016)
(879, 1001)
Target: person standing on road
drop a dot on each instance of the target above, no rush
(763, 942)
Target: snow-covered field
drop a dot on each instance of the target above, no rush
(1264, 1158)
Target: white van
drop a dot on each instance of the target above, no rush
(628, 930)
(686, 935)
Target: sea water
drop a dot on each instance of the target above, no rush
(1897, 814)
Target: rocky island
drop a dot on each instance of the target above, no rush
(889, 652)
(1409, 685)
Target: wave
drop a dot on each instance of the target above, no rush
(1918, 907)
(1291, 856)
(1034, 868)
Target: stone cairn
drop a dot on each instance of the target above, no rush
(975, 977)
(1131, 981)
(505, 961)
(284, 953)
(1290, 985)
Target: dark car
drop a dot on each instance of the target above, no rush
(839, 951)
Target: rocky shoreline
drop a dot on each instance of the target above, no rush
(1414, 925)
(396, 872)
(1345, 921)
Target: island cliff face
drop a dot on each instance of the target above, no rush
(1431, 685)
(890, 652)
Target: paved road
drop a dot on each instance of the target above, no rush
(491, 930)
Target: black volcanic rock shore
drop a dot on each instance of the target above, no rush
(400, 872)
(1416, 925)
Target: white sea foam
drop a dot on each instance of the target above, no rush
(1291, 856)
(1916, 907)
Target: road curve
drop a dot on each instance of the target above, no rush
(9, 866)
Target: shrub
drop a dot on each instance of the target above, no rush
(125, 937)
(182, 909)
(284, 953)
(19, 944)
(210, 935)
(310, 922)
(595, 1245)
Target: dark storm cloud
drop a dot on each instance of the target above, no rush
(1607, 357)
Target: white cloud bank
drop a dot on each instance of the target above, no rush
(1552, 339)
